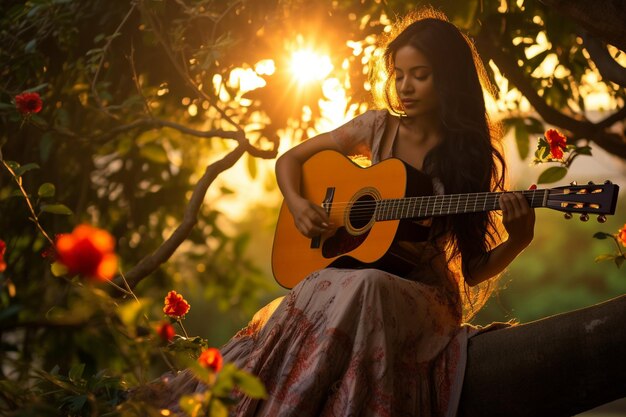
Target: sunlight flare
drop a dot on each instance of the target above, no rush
(308, 66)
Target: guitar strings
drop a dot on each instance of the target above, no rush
(443, 196)
(430, 205)
(447, 201)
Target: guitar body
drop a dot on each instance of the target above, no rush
(350, 193)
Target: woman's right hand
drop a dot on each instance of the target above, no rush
(310, 219)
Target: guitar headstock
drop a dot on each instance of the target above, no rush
(586, 199)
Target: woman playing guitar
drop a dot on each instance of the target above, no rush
(363, 341)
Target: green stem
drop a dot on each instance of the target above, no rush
(127, 291)
(619, 247)
(180, 323)
(34, 217)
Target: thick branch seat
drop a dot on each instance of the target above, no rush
(558, 366)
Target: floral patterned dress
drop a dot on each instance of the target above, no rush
(358, 342)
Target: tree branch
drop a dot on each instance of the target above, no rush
(558, 366)
(152, 123)
(94, 90)
(608, 67)
(184, 74)
(611, 142)
(150, 263)
(604, 19)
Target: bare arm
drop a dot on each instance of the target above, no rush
(519, 221)
(310, 219)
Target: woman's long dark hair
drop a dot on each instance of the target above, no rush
(467, 160)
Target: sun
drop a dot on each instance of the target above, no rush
(307, 66)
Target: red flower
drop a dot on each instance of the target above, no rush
(27, 103)
(166, 331)
(87, 251)
(211, 358)
(175, 305)
(621, 235)
(557, 142)
(3, 248)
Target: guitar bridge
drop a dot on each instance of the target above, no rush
(326, 204)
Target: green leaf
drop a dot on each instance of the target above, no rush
(154, 153)
(45, 146)
(249, 384)
(30, 46)
(605, 257)
(6, 106)
(76, 403)
(191, 404)
(37, 88)
(56, 209)
(584, 150)
(58, 269)
(38, 120)
(535, 61)
(217, 408)
(619, 260)
(46, 190)
(602, 235)
(534, 125)
(76, 372)
(130, 312)
(521, 138)
(24, 168)
(552, 174)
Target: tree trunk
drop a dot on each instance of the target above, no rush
(558, 366)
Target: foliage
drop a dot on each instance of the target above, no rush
(619, 238)
(549, 151)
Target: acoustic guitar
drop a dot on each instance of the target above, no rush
(374, 208)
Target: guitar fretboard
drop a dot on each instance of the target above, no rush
(440, 205)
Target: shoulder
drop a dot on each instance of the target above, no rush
(372, 119)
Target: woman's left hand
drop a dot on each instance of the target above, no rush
(518, 219)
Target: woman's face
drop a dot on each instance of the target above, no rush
(414, 82)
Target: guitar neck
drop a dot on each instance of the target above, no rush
(441, 205)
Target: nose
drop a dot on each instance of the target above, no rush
(405, 85)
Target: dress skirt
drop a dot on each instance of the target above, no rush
(354, 342)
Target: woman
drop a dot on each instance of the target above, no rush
(364, 342)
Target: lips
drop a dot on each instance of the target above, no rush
(409, 102)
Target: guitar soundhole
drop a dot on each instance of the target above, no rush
(362, 212)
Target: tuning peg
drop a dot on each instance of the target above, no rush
(567, 216)
(584, 217)
(601, 218)
(607, 182)
(573, 183)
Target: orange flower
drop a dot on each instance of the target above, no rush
(557, 142)
(3, 248)
(166, 331)
(175, 305)
(621, 235)
(211, 358)
(28, 103)
(87, 251)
